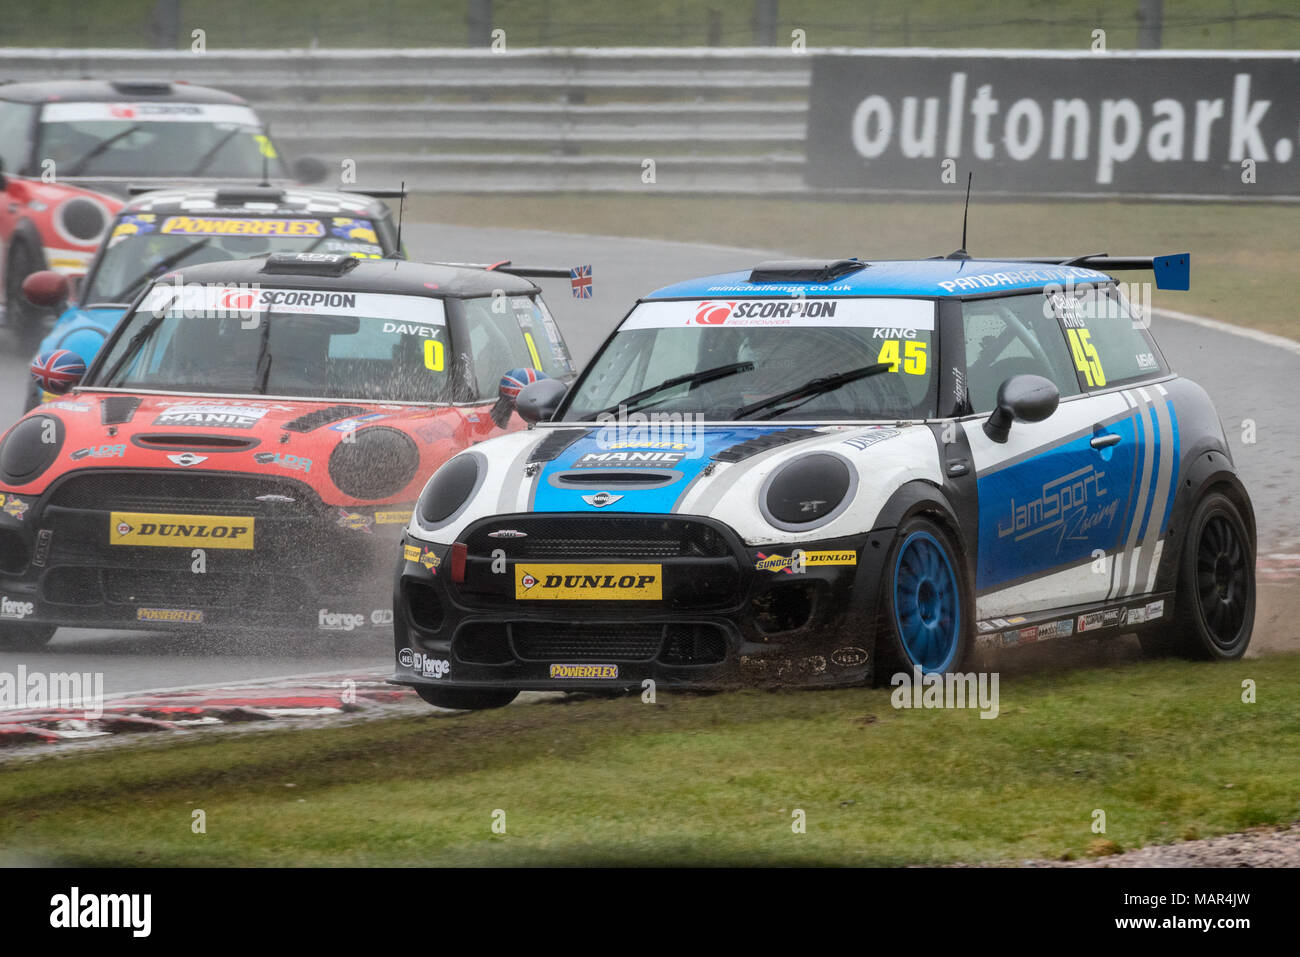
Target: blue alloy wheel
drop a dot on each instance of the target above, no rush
(927, 603)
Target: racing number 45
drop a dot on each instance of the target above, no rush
(1086, 359)
(913, 357)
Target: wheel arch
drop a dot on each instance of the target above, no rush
(1211, 470)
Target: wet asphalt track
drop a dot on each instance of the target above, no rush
(1247, 379)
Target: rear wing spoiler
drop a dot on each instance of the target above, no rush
(506, 266)
(1172, 272)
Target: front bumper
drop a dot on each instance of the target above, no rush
(311, 567)
(726, 614)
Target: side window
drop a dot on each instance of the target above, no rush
(1013, 335)
(15, 135)
(1108, 345)
(511, 332)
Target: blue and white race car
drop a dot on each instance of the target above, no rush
(817, 472)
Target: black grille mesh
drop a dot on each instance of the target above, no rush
(611, 537)
(183, 492)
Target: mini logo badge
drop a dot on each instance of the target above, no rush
(186, 459)
(601, 499)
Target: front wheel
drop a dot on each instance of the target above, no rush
(1214, 604)
(465, 699)
(925, 602)
(25, 637)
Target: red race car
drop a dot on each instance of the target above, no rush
(245, 450)
(69, 150)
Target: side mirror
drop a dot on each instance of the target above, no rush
(1027, 398)
(538, 402)
(46, 288)
(508, 391)
(309, 170)
(58, 371)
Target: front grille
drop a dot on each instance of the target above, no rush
(696, 644)
(583, 537)
(132, 586)
(619, 641)
(182, 493)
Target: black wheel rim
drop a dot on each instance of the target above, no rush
(1222, 580)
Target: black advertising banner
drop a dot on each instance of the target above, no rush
(1156, 124)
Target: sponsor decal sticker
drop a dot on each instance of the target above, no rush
(291, 462)
(1106, 618)
(868, 439)
(392, 518)
(42, 552)
(212, 416)
(406, 658)
(99, 452)
(1155, 610)
(170, 615)
(328, 620)
(850, 657)
(15, 610)
(180, 531)
(430, 560)
(621, 582)
(14, 506)
(777, 563)
(230, 226)
(584, 671)
(354, 521)
(1137, 616)
(411, 553)
(783, 667)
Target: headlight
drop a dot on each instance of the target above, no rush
(378, 463)
(449, 489)
(807, 492)
(80, 220)
(30, 448)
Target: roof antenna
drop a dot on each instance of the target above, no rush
(401, 208)
(961, 253)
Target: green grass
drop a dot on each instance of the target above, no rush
(1167, 750)
(1241, 252)
(1190, 24)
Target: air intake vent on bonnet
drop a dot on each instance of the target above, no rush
(805, 270)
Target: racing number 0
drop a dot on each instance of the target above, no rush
(913, 357)
(434, 355)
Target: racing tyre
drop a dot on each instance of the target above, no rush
(925, 603)
(1214, 603)
(465, 699)
(25, 637)
(26, 320)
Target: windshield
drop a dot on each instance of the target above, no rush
(156, 139)
(729, 357)
(142, 246)
(283, 342)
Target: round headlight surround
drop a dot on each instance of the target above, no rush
(827, 481)
(450, 489)
(24, 454)
(81, 220)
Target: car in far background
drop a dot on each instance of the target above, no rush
(69, 150)
(172, 228)
(246, 449)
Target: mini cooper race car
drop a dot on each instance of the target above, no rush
(246, 448)
(170, 228)
(820, 472)
(69, 149)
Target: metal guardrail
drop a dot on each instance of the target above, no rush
(718, 120)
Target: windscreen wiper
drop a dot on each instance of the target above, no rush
(211, 154)
(159, 314)
(160, 267)
(75, 167)
(811, 389)
(629, 403)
